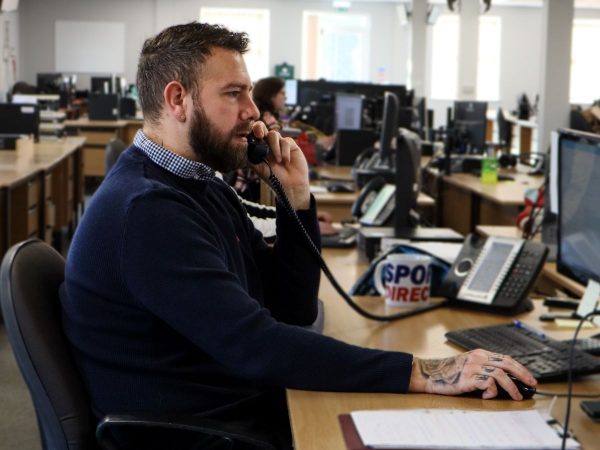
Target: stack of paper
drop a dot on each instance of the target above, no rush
(457, 429)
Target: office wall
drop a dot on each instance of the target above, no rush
(37, 18)
(9, 43)
(519, 58)
(390, 42)
(388, 47)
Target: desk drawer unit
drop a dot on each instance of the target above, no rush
(24, 201)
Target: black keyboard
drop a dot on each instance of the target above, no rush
(588, 345)
(546, 358)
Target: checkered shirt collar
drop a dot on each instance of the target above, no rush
(176, 164)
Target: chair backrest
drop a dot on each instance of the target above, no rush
(30, 276)
(114, 148)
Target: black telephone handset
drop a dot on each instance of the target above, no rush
(257, 149)
(495, 274)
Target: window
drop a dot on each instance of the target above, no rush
(255, 22)
(444, 66)
(335, 46)
(488, 58)
(445, 54)
(585, 64)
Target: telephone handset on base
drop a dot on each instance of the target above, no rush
(495, 274)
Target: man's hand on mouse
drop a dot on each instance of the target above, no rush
(467, 372)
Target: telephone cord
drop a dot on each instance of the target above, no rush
(283, 199)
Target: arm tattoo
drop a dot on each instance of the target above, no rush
(442, 371)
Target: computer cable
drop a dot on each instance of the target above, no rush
(570, 375)
(282, 197)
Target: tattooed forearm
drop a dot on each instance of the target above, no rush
(442, 371)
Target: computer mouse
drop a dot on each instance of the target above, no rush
(526, 391)
(339, 188)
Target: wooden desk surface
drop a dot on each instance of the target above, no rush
(46, 154)
(313, 415)
(508, 193)
(87, 123)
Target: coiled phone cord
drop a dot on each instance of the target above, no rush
(283, 199)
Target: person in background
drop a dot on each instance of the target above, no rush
(172, 301)
(269, 96)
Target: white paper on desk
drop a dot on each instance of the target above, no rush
(589, 301)
(317, 189)
(456, 429)
(446, 251)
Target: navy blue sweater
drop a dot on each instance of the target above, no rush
(174, 303)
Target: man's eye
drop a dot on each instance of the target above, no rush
(233, 93)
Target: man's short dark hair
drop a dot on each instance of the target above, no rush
(177, 53)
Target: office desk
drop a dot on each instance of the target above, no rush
(41, 195)
(97, 133)
(525, 139)
(465, 202)
(313, 415)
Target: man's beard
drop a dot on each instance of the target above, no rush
(215, 150)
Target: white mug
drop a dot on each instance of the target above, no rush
(404, 279)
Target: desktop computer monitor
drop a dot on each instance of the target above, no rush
(348, 111)
(578, 213)
(101, 85)
(120, 86)
(389, 126)
(470, 123)
(103, 107)
(49, 83)
(18, 119)
(408, 180)
(291, 92)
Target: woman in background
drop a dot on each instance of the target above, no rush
(269, 96)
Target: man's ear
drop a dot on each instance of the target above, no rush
(175, 96)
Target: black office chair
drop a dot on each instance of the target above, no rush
(114, 148)
(30, 276)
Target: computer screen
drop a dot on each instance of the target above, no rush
(408, 179)
(422, 114)
(470, 122)
(579, 216)
(49, 83)
(348, 111)
(101, 85)
(19, 119)
(389, 125)
(291, 92)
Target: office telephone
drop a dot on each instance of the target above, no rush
(375, 203)
(494, 274)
